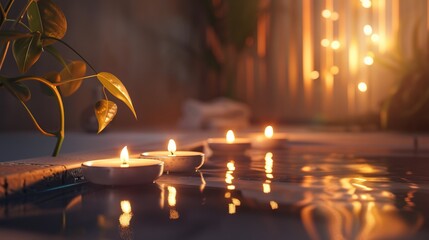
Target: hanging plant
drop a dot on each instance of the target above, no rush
(39, 26)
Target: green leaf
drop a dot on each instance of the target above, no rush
(21, 91)
(26, 51)
(116, 88)
(17, 89)
(54, 52)
(75, 70)
(53, 21)
(105, 111)
(34, 18)
(53, 77)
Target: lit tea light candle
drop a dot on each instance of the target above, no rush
(228, 144)
(177, 161)
(122, 171)
(269, 140)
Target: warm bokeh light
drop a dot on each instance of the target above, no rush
(368, 60)
(230, 138)
(174, 214)
(231, 165)
(367, 30)
(326, 13)
(334, 70)
(266, 188)
(269, 132)
(335, 16)
(231, 208)
(314, 75)
(325, 42)
(228, 175)
(171, 196)
(335, 44)
(171, 146)
(375, 38)
(236, 201)
(362, 87)
(124, 157)
(366, 3)
(274, 205)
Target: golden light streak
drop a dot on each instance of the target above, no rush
(162, 197)
(307, 50)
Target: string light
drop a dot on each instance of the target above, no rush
(367, 30)
(335, 44)
(366, 3)
(334, 16)
(325, 42)
(375, 38)
(314, 75)
(326, 13)
(334, 70)
(362, 87)
(368, 60)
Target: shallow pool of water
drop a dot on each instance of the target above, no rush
(262, 195)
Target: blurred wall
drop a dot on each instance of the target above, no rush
(152, 46)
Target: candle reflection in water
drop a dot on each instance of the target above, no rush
(172, 201)
(232, 206)
(125, 220)
(353, 207)
(266, 186)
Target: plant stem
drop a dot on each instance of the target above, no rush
(71, 48)
(73, 80)
(11, 90)
(60, 133)
(21, 14)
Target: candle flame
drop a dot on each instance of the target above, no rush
(230, 138)
(171, 146)
(269, 132)
(124, 157)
